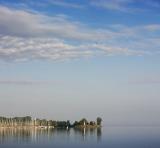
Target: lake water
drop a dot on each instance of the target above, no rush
(108, 137)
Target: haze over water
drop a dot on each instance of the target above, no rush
(112, 137)
(63, 60)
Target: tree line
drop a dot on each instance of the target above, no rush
(28, 121)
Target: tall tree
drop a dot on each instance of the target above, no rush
(99, 121)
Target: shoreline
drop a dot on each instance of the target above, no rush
(28, 121)
(52, 127)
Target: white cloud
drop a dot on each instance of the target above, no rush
(152, 3)
(65, 4)
(153, 27)
(27, 82)
(146, 80)
(27, 35)
(119, 5)
(22, 49)
(126, 5)
(21, 23)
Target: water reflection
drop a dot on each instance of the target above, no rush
(99, 134)
(88, 133)
(36, 135)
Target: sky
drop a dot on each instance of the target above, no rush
(69, 59)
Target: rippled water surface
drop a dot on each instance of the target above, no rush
(109, 137)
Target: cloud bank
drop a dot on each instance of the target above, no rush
(126, 6)
(27, 82)
(27, 35)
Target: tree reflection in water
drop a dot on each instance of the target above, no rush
(36, 135)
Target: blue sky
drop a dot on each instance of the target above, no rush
(85, 58)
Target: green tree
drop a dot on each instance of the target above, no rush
(92, 123)
(68, 123)
(83, 121)
(99, 121)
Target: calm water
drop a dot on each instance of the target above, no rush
(108, 137)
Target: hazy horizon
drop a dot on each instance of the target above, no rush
(73, 59)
